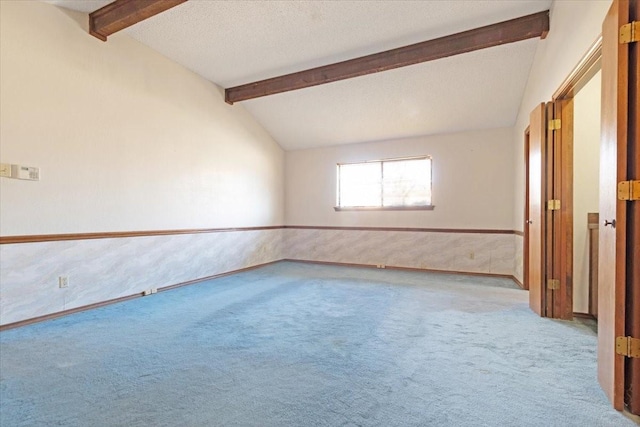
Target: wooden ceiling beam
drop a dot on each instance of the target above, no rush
(124, 13)
(526, 27)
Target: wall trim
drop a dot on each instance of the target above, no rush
(384, 208)
(588, 66)
(518, 282)
(518, 233)
(584, 316)
(390, 267)
(5, 240)
(37, 238)
(417, 230)
(63, 313)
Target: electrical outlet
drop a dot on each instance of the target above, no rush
(63, 282)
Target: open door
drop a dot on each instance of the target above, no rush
(632, 324)
(618, 278)
(549, 221)
(535, 265)
(559, 222)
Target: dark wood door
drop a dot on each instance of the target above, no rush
(560, 221)
(613, 168)
(632, 325)
(534, 224)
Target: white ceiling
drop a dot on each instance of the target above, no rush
(236, 42)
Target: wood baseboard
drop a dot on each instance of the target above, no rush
(632, 417)
(518, 282)
(391, 267)
(584, 316)
(410, 229)
(216, 276)
(63, 313)
(58, 314)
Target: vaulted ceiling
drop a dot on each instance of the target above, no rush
(235, 42)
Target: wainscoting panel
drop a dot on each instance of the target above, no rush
(103, 269)
(110, 268)
(452, 251)
(518, 262)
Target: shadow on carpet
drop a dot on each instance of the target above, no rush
(294, 344)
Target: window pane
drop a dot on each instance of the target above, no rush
(407, 182)
(360, 184)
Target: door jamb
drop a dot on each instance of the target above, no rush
(525, 234)
(586, 68)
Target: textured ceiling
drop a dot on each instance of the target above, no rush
(236, 42)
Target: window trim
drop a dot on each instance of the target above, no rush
(339, 208)
(385, 208)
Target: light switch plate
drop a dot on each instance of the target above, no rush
(5, 170)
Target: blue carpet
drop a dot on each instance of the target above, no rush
(294, 344)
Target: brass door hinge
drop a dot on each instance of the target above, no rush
(628, 346)
(629, 190)
(555, 124)
(553, 205)
(630, 32)
(553, 284)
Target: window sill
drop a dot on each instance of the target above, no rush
(384, 208)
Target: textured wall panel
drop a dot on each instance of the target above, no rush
(518, 260)
(105, 269)
(467, 252)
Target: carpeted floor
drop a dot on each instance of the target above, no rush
(294, 344)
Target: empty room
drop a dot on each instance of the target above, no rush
(319, 213)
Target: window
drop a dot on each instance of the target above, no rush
(385, 184)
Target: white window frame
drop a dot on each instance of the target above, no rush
(381, 207)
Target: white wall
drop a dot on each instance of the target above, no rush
(472, 182)
(586, 166)
(472, 189)
(125, 139)
(575, 26)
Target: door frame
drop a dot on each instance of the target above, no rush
(559, 227)
(632, 326)
(587, 67)
(525, 232)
